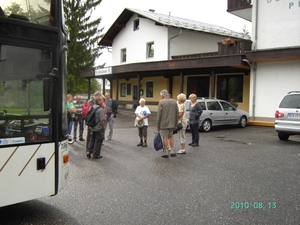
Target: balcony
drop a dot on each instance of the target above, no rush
(236, 48)
(240, 8)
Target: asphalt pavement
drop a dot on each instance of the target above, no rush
(236, 176)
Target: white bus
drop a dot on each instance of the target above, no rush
(34, 157)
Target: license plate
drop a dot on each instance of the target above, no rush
(293, 115)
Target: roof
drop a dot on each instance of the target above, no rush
(169, 21)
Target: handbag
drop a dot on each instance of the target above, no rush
(157, 141)
(178, 128)
(138, 122)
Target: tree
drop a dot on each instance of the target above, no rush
(84, 35)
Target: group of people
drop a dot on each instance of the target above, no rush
(105, 112)
(169, 114)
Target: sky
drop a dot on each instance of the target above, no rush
(207, 11)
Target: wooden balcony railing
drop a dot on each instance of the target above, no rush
(238, 4)
(237, 48)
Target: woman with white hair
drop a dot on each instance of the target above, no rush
(142, 113)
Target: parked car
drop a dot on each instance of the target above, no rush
(218, 112)
(287, 116)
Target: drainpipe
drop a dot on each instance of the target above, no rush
(170, 42)
(254, 65)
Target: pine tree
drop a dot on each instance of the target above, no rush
(84, 36)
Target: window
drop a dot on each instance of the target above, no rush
(136, 25)
(149, 89)
(214, 105)
(128, 89)
(123, 55)
(123, 90)
(230, 87)
(150, 50)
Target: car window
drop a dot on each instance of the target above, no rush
(214, 105)
(226, 106)
(202, 105)
(290, 101)
(187, 105)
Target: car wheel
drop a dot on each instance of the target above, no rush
(283, 136)
(206, 125)
(243, 122)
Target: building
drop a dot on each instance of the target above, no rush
(152, 51)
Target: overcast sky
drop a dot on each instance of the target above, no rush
(207, 11)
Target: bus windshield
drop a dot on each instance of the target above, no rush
(22, 115)
(34, 11)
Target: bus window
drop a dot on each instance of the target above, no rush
(22, 115)
(36, 11)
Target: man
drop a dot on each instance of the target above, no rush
(97, 132)
(78, 119)
(93, 102)
(167, 119)
(111, 111)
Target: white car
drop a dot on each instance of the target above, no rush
(218, 112)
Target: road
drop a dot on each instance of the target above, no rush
(236, 176)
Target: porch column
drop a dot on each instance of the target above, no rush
(117, 88)
(103, 85)
(212, 85)
(89, 88)
(171, 86)
(138, 88)
(181, 83)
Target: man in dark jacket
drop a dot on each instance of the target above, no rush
(97, 132)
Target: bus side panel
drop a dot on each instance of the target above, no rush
(22, 176)
(63, 171)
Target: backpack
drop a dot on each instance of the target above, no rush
(115, 107)
(86, 107)
(90, 119)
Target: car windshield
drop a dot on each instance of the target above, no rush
(290, 101)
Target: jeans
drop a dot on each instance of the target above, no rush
(110, 122)
(81, 127)
(195, 133)
(70, 124)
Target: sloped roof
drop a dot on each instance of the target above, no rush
(166, 20)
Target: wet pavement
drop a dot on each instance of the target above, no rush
(236, 176)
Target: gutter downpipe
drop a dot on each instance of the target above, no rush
(170, 42)
(254, 66)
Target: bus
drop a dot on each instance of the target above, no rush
(34, 155)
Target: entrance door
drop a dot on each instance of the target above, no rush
(198, 85)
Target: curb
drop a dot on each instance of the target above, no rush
(260, 123)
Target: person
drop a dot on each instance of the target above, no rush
(97, 132)
(167, 119)
(88, 133)
(112, 109)
(71, 115)
(78, 119)
(232, 102)
(182, 119)
(195, 112)
(142, 112)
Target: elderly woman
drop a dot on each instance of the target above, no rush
(195, 113)
(181, 119)
(142, 113)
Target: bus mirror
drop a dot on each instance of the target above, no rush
(47, 92)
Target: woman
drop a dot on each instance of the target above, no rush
(181, 119)
(71, 112)
(142, 113)
(195, 112)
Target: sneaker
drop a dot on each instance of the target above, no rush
(88, 155)
(81, 139)
(195, 145)
(190, 144)
(165, 156)
(140, 144)
(181, 151)
(144, 145)
(71, 142)
(173, 155)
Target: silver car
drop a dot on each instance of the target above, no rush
(287, 116)
(218, 112)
